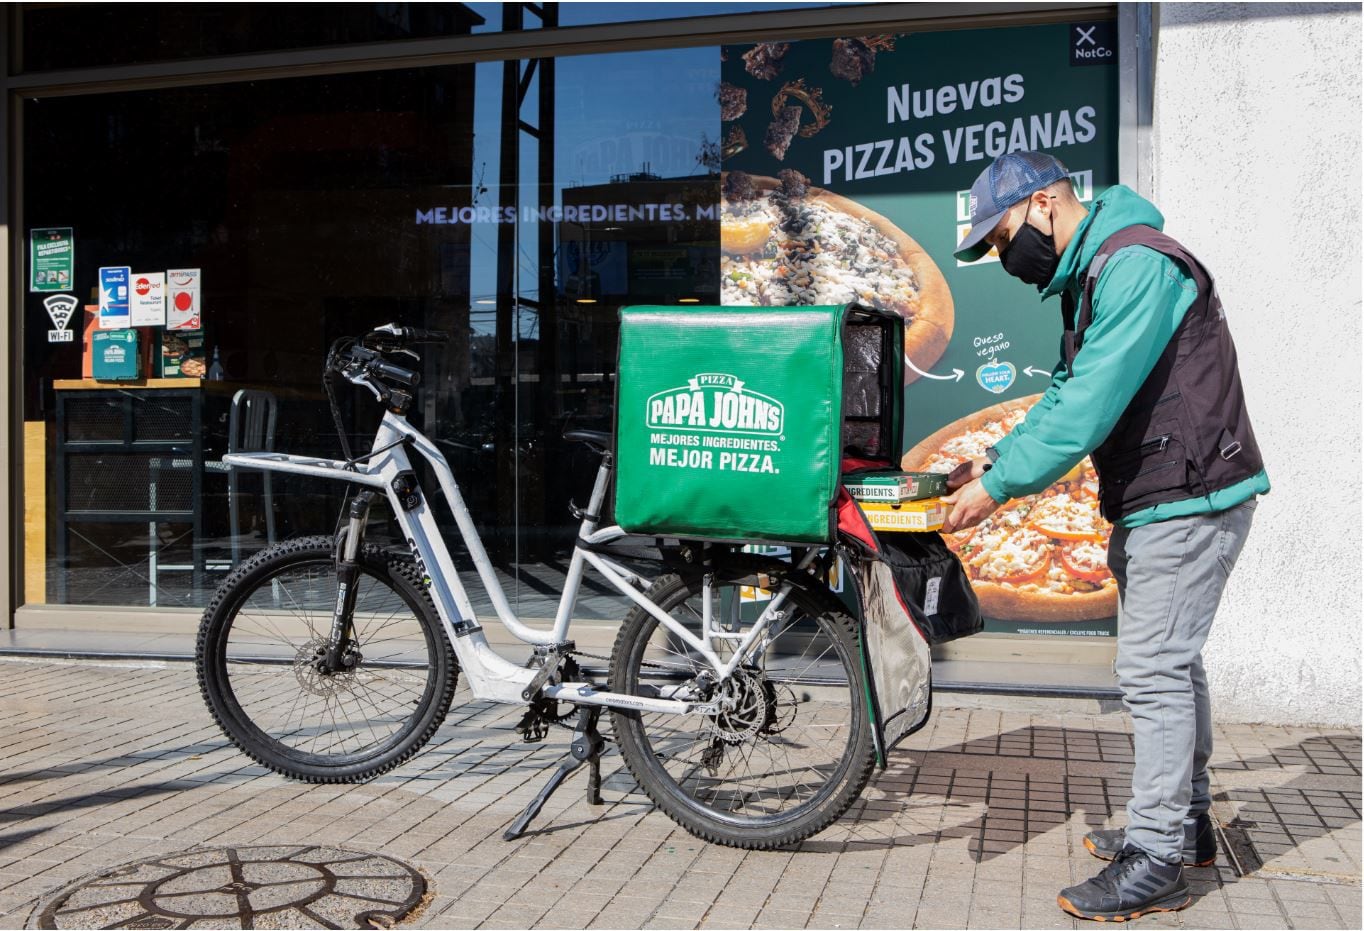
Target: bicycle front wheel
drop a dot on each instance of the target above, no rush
(260, 659)
(789, 747)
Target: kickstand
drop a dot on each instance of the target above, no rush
(586, 748)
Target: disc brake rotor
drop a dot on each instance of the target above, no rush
(744, 707)
(308, 663)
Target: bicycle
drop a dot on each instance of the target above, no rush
(330, 659)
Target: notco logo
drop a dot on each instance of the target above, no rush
(1093, 43)
(715, 402)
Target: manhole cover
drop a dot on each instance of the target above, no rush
(242, 887)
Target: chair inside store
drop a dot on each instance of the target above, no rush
(250, 429)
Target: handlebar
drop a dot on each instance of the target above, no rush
(362, 362)
(357, 364)
(402, 376)
(393, 338)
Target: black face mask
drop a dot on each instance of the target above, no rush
(1031, 255)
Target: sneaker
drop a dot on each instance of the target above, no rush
(1134, 884)
(1200, 842)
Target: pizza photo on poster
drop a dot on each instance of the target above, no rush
(847, 163)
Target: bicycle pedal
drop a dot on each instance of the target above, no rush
(532, 727)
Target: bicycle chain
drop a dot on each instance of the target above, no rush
(564, 721)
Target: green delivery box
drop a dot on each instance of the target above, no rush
(732, 422)
(115, 355)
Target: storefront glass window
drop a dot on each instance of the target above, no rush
(316, 208)
(518, 205)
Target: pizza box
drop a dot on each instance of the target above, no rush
(921, 515)
(895, 487)
(115, 355)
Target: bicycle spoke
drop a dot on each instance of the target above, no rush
(276, 650)
(772, 753)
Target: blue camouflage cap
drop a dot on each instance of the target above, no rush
(1009, 179)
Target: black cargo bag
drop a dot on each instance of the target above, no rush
(933, 585)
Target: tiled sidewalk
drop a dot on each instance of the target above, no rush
(977, 822)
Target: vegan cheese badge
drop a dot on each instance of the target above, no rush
(715, 421)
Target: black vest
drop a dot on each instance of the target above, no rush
(1186, 433)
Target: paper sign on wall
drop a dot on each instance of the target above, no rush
(148, 300)
(113, 297)
(182, 299)
(52, 259)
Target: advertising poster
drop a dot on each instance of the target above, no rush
(52, 259)
(148, 301)
(889, 132)
(183, 299)
(113, 297)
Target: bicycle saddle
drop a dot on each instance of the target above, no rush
(596, 439)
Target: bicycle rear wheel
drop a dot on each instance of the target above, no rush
(259, 654)
(792, 750)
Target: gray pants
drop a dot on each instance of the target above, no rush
(1170, 578)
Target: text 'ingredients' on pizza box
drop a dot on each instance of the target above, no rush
(895, 487)
(923, 515)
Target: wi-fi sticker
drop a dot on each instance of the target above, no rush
(60, 307)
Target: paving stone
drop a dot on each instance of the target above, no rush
(977, 822)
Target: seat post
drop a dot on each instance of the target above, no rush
(599, 489)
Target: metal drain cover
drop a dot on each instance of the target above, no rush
(241, 887)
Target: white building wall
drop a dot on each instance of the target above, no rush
(1256, 143)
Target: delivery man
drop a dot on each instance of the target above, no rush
(1148, 387)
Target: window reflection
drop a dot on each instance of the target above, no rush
(321, 207)
(76, 35)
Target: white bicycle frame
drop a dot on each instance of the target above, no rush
(490, 676)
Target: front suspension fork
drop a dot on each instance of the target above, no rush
(347, 578)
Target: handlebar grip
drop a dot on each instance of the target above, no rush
(395, 373)
(415, 335)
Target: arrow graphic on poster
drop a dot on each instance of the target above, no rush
(1032, 371)
(955, 376)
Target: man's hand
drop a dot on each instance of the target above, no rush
(971, 504)
(968, 471)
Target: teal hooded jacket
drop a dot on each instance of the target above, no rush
(1139, 300)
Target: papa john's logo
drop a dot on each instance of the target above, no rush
(716, 403)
